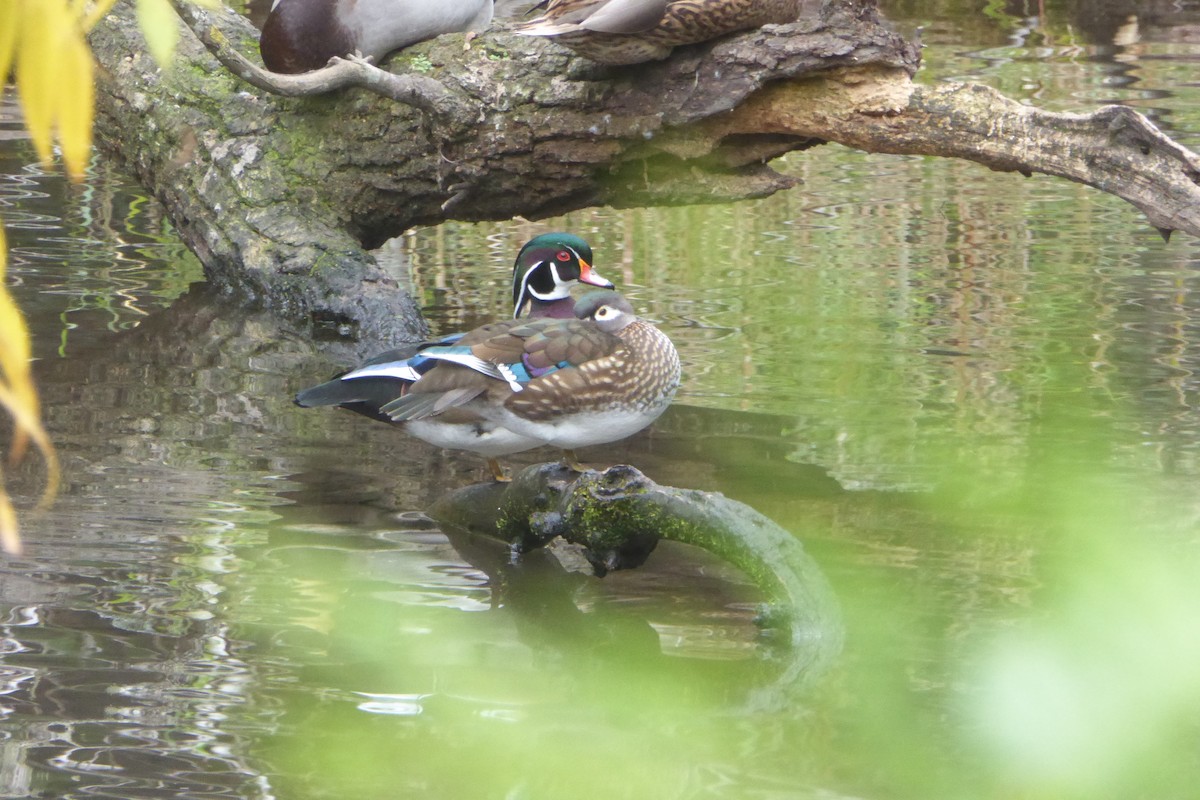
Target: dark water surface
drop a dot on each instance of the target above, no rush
(972, 396)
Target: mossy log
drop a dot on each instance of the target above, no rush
(280, 195)
(618, 516)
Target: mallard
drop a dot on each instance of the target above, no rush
(302, 35)
(544, 271)
(634, 31)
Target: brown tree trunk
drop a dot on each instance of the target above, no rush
(279, 195)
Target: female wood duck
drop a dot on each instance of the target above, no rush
(568, 383)
(302, 35)
(633, 31)
(545, 270)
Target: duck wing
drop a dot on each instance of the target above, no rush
(601, 16)
(626, 16)
(500, 360)
(379, 380)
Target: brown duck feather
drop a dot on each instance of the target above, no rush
(541, 344)
(634, 31)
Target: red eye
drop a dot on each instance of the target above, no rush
(563, 255)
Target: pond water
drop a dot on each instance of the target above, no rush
(972, 397)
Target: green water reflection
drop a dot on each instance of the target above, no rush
(972, 396)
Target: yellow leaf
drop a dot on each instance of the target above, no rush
(160, 26)
(13, 334)
(41, 41)
(37, 65)
(18, 396)
(8, 37)
(26, 420)
(10, 539)
(15, 386)
(75, 104)
(14, 356)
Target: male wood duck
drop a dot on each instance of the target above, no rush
(302, 35)
(568, 383)
(545, 270)
(634, 31)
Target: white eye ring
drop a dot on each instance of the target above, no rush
(604, 312)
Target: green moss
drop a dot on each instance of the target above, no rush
(319, 263)
(418, 62)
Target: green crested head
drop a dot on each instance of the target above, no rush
(548, 266)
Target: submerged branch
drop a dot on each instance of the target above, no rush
(618, 516)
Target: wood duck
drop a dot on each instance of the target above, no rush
(634, 31)
(568, 383)
(302, 35)
(545, 270)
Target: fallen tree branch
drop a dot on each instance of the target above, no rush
(281, 196)
(1114, 149)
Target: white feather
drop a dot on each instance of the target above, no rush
(469, 361)
(392, 369)
(508, 375)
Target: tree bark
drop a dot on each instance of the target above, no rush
(279, 195)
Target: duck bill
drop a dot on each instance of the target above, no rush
(589, 275)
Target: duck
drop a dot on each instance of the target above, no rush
(635, 31)
(595, 379)
(545, 270)
(302, 35)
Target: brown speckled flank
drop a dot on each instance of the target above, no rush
(637, 377)
(568, 383)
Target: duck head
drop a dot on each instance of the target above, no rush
(608, 309)
(546, 269)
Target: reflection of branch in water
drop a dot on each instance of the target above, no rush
(618, 516)
(543, 596)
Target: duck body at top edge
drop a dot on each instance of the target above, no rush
(302, 35)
